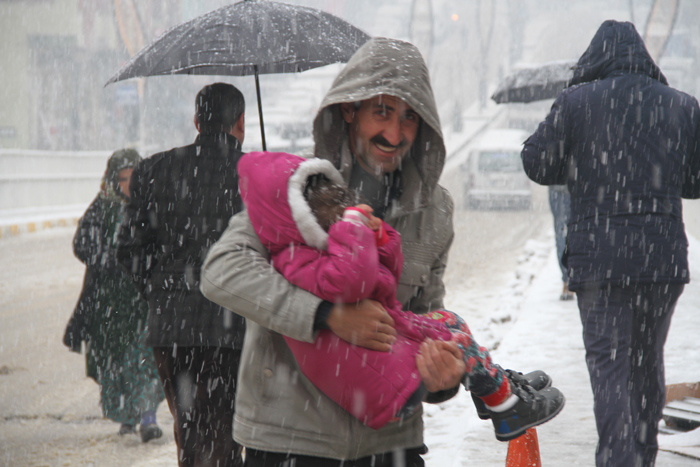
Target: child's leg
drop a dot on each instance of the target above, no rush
(484, 379)
(512, 402)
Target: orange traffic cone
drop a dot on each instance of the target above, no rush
(524, 451)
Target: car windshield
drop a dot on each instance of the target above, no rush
(500, 161)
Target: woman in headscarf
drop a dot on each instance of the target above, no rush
(110, 316)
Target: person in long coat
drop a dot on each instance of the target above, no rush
(110, 316)
(627, 146)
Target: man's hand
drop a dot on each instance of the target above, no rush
(366, 324)
(440, 365)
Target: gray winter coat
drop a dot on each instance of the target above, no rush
(277, 408)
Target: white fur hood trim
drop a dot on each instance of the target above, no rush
(312, 233)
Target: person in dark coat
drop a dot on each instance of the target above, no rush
(181, 202)
(110, 316)
(628, 148)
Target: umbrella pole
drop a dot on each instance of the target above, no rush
(260, 113)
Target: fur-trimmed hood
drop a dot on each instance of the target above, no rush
(272, 186)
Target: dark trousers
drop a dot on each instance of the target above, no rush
(200, 386)
(400, 458)
(624, 332)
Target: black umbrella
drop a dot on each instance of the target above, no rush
(251, 37)
(534, 83)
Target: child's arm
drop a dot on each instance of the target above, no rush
(388, 239)
(390, 253)
(345, 272)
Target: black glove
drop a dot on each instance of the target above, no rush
(75, 333)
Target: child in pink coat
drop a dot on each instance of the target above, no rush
(320, 241)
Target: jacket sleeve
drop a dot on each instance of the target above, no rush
(136, 239)
(432, 294)
(432, 299)
(691, 180)
(545, 153)
(390, 254)
(88, 245)
(237, 275)
(345, 272)
(434, 302)
(94, 243)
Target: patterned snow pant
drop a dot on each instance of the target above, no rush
(483, 376)
(129, 385)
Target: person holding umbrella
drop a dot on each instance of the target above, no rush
(627, 146)
(181, 202)
(379, 126)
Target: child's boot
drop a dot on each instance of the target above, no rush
(537, 379)
(524, 408)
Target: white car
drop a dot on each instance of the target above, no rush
(494, 175)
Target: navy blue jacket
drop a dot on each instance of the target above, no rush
(628, 148)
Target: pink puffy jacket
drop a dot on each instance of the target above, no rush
(343, 265)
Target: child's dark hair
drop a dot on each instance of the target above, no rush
(327, 200)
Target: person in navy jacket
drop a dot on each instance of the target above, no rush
(627, 146)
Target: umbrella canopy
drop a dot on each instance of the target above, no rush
(251, 37)
(534, 83)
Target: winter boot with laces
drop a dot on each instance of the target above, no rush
(532, 407)
(537, 379)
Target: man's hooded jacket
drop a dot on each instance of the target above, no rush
(344, 265)
(628, 147)
(422, 211)
(277, 408)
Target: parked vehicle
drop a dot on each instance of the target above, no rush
(494, 172)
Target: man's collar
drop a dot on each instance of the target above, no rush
(380, 193)
(215, 138)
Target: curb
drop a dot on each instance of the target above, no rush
(32, 226)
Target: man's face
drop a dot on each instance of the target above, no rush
(381, 132)
(124, 180)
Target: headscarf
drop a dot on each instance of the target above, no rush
(119, 160)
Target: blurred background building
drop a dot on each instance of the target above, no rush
(57, 55)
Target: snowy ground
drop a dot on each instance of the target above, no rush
(502, 277)
(531, 329)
